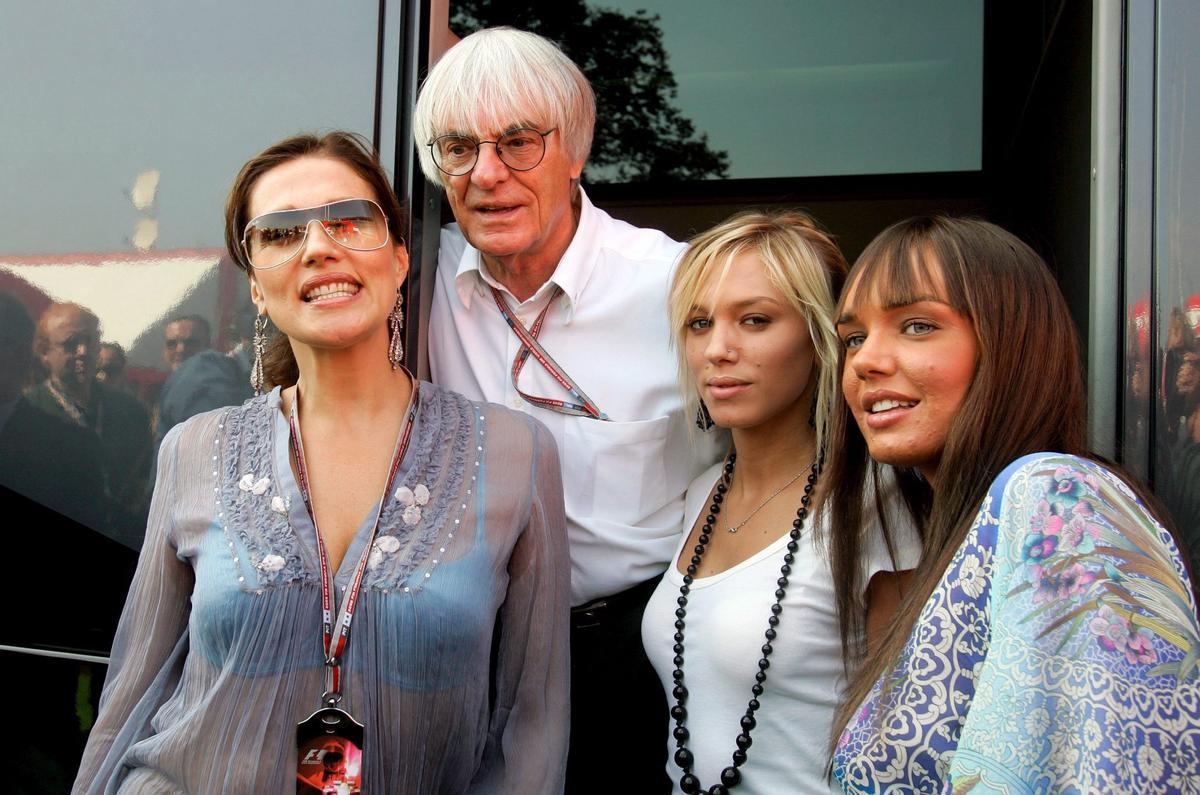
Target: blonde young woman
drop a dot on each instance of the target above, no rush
(743, 629)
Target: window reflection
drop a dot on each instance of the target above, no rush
(94, 379)
(818, 88)
(66, 344)
(134, 239)
(45, 455)
(110, 366)
(202, 378)
(1177, 271)
(1138, 388)
(125, 222)
(1178, 466)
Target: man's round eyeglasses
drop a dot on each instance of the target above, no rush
(521, 150)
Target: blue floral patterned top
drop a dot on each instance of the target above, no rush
(1057, 654)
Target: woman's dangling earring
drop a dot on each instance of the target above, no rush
(704, 420)
(260, 348)
(396, 332)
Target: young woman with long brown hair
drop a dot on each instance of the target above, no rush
(1049, 639)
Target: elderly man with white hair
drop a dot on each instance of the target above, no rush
(548, 305)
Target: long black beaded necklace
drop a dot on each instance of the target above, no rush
(730, 776)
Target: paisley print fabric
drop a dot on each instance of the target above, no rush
(1058, 653)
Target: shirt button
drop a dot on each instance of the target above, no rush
(516, 402)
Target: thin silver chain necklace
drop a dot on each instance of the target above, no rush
(763, 504)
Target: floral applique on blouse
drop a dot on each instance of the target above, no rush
(458, 664)
(1058, 654)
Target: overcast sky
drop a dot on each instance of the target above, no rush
(820, 87)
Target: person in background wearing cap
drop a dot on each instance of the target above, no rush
(548, 305)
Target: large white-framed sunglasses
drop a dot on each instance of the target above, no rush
(273, 238)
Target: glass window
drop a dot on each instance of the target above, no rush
(1176, 241)
(700, 89)
(125, 124)
(136, 117)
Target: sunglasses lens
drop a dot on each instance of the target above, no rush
(356, 224)
(274, 238)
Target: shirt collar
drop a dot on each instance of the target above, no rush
(571, 276)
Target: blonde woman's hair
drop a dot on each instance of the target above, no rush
(497, 78)
(801, 260)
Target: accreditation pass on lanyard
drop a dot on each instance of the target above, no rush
(582, 405)
(329, 743)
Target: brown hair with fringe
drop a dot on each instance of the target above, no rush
(1026, 341)
(279, 364)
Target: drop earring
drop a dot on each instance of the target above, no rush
(396, 332)
(260, 348)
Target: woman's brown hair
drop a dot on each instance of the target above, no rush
(279, 365)
(1027, 395)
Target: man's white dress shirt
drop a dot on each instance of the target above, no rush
(624, 479)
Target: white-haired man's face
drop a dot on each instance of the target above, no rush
(519, 218)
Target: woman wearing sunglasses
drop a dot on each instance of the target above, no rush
(354, 582)
(743, 629)
(1049, 641)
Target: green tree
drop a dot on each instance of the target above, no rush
(640, 134)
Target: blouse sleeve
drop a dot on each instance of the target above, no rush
(151, 640)
(905, 550)
(1090, 682)
(526, 747)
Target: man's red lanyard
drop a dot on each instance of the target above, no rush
(337, 634)
(585, 407)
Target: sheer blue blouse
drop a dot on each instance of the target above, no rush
(457, 664)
